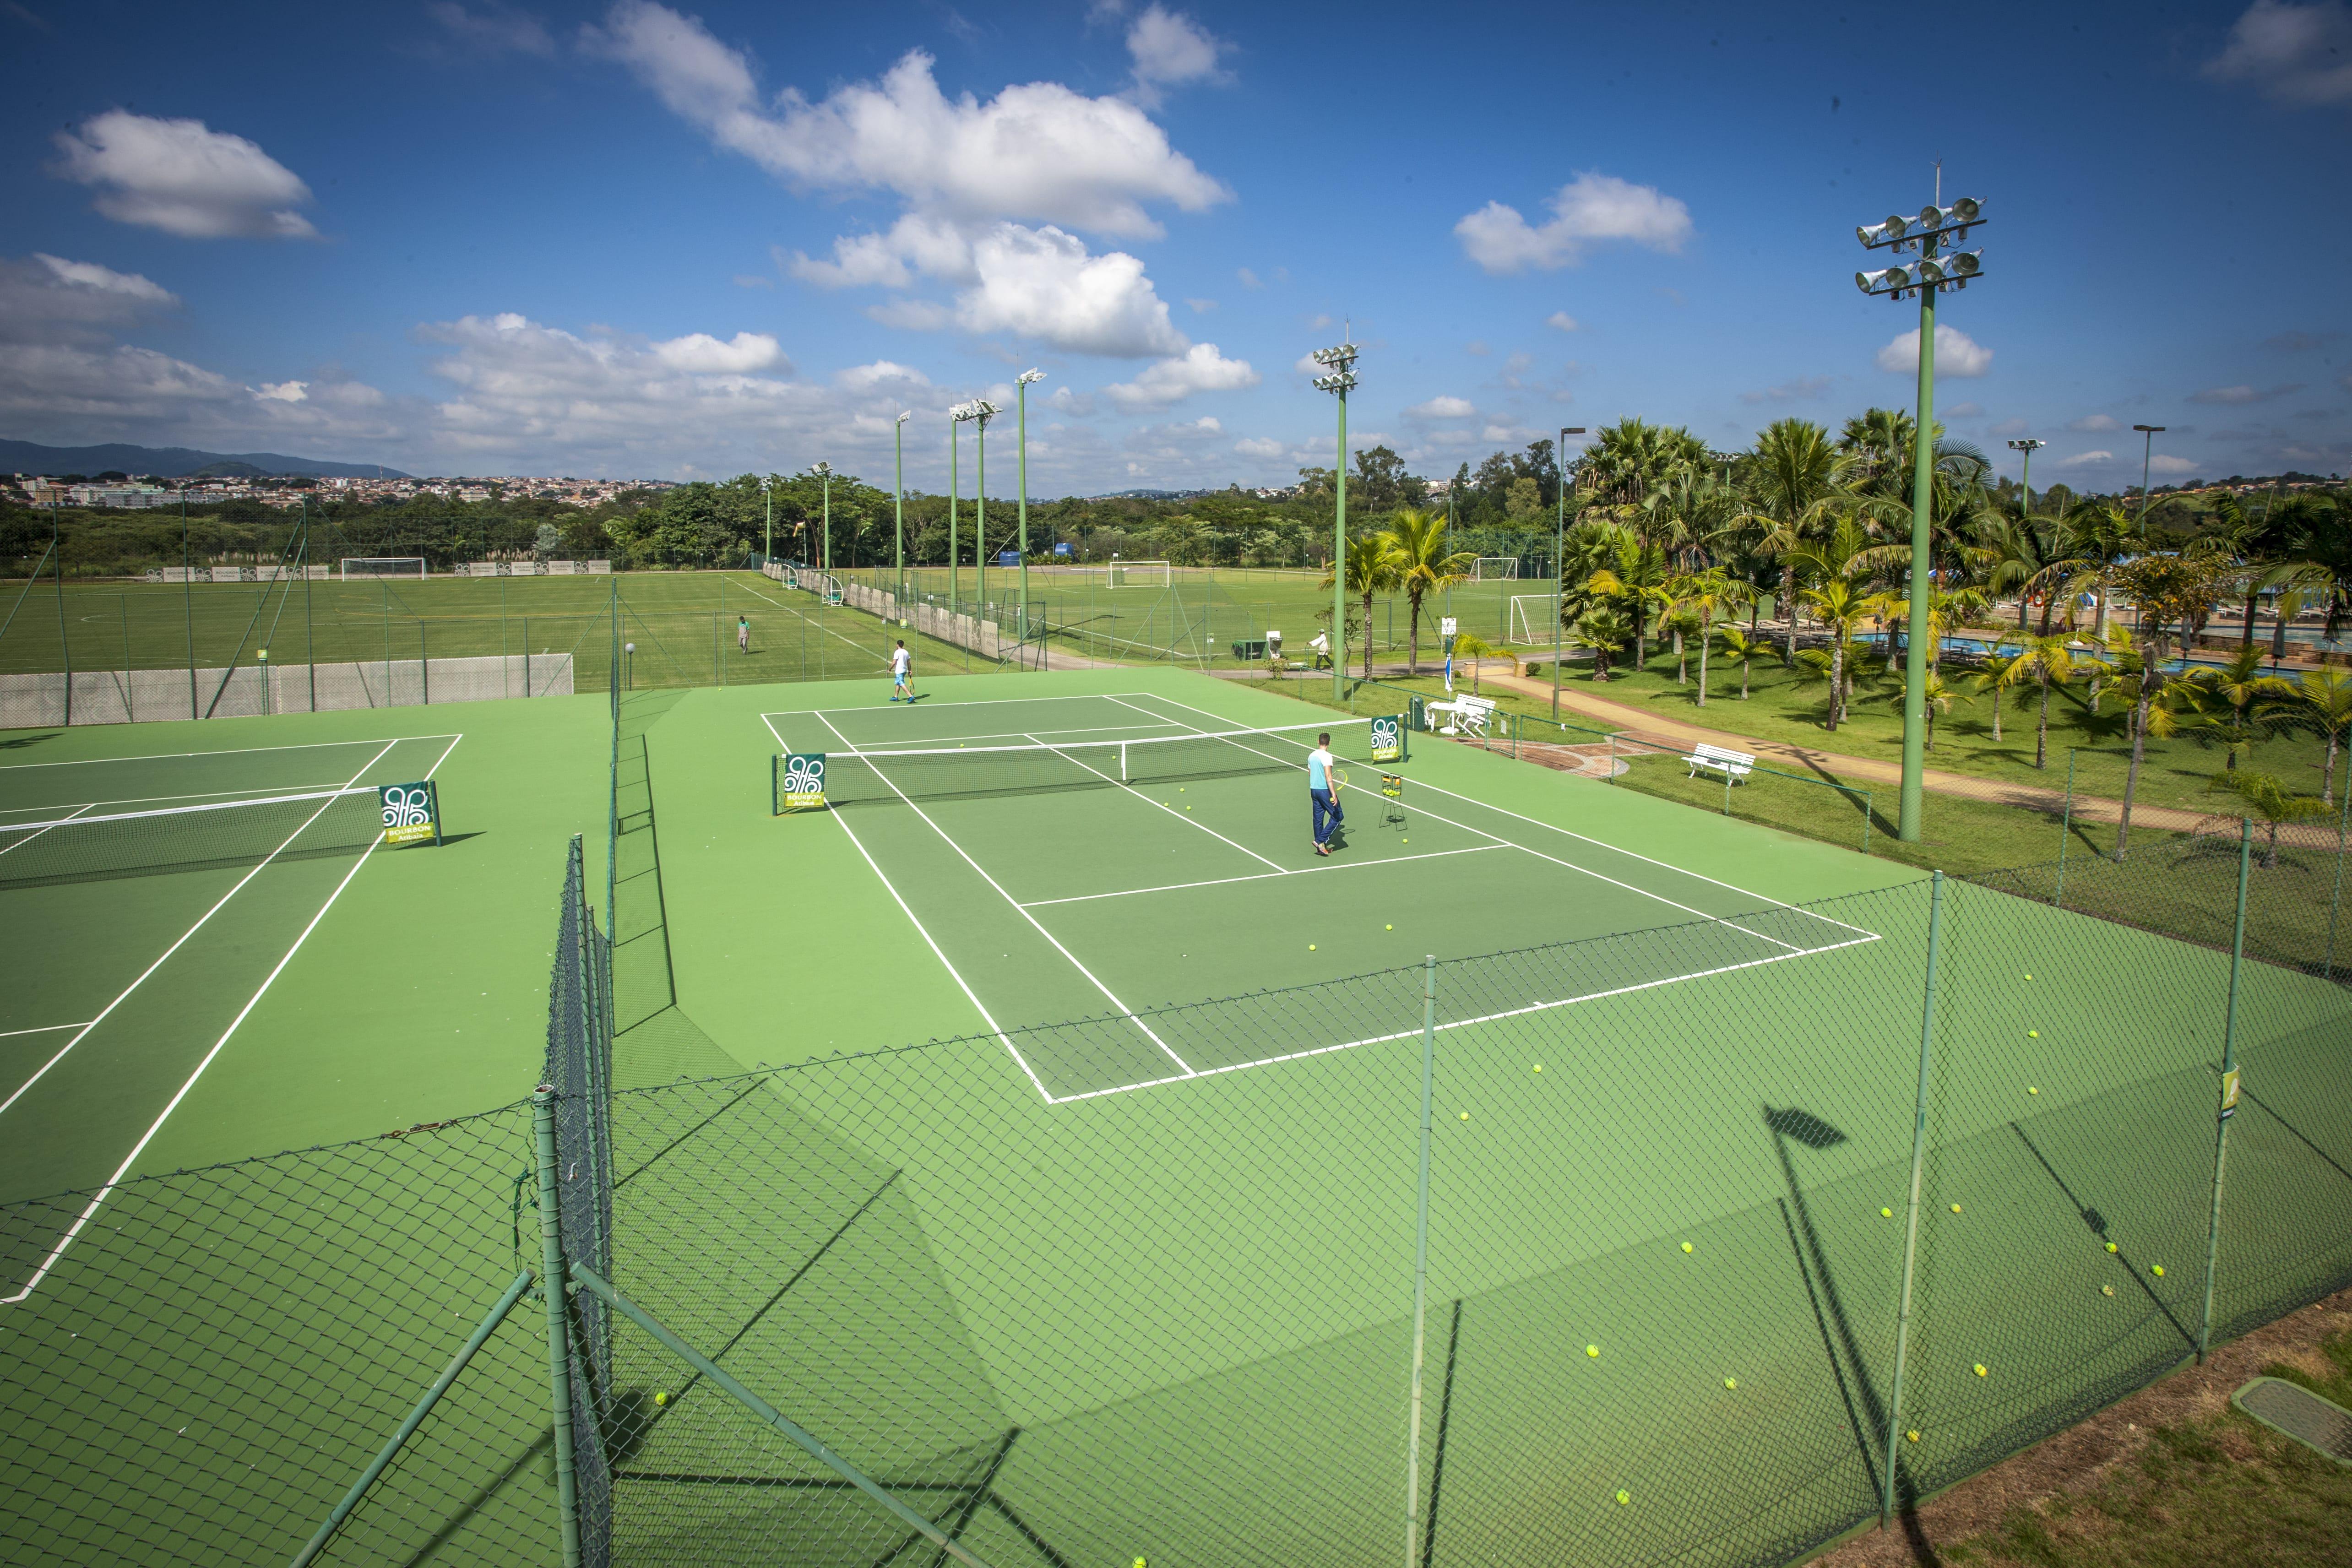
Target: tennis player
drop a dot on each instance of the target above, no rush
(1323, 792)
(742, 633)
(902, 672)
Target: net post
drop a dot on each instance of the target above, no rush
(1421, 1261)
(2065, 832)
(2229, 1095)
(558, 1354)
(2336, 897)
(1911, 1223)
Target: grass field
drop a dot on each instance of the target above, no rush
(1119, 1263)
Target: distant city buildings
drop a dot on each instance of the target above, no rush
(40, 490)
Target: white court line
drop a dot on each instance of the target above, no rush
(1599, 876)
(980, 702)
(175, 947)
(44, 1029)
(227, 751)
(920, 930)
(804, 616)
(1267, 875)
(150, 799)
(1031, 919)
(43, 826)
(938, 742)
(1163, 806)
(1465, 1023)
(99, 1196)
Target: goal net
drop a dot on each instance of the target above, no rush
(1533, 615)
(1138, 574)
(1495, 567)
(382, 566)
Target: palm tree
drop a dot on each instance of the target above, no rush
(2001, 671)
(2046, 661)
(2015, 551)
(2319, 552)
(1603, 629)
(1370, 573)
(1704, 596)
(1795, 479)
(2168, 589)
(2271, 801)
(1471, 646)
(1938, 700)
(1840, 606)
(1422, 565)
(1637, 579)
(2322, 700)
(1738, 645)
(2238, 685)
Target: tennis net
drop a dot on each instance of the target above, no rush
(850, 777)
(217, 835)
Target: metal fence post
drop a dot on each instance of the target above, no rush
(1421, 1261)
(1919, 1167)
(2229, 1084)
(2336, 898)
(552, 1275)
(2065, 832)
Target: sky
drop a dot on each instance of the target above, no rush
(640, 239)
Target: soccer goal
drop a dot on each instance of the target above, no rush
(1533, 616)
(1495, 567)
(358, 566)
(1138, 574)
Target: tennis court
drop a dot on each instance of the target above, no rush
(1125, 851)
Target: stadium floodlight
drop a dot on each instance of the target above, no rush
(1021, 386)
(898, 502)
(2028, 445)
(823, 471)
(1559, 560)
(959, 417)
(2148, 455)
(1938, 268)
(1341, 361)
(982, 411)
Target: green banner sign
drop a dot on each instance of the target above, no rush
(412, 812)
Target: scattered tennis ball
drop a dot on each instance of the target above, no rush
(1980, 1369)
(1885, 1213)
(1465, 1116)
(1311, 946)
(1623, 1498)
(1731, 1383)
(2030, 1089)
(1593, 1350)
(1538, 1067)
(663, 1397)
(1138, 1562)
(2029, 976)
(1686, 1246)
(2106, 1290)
(2033, 1034)
(1388, 927)
(1955, 1209)
(1188, 808)
(1913, 1435)
(2158, 1269)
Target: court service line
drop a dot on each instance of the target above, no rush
(1588, 871)
(224, 751)
(43, 826)
(1163, 806)
(940, 742)
(986, 702)
(151, 799)
(920, 930)
(1268, 875)
(1465, 1023)
(44, 1029)
(1015, 902)
(99, 1196)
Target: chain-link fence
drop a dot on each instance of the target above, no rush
(1645, 1212)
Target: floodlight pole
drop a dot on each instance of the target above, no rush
(1341, 361)
(898, 505)
(1560, 563)
(1914, 643)
(768, 496)
(823, 471)
(982, 409)
(2146, 456)
(1025, 377)
(955, 484)
(2025, 480)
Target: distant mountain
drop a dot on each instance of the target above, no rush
(174, 461)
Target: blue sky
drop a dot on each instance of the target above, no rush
(643, 239)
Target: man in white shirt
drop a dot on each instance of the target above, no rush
(901, 673)
(1323, 793)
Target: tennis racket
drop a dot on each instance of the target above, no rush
(1338, 780)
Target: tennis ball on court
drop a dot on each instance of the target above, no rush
(2029, 976)
(2030, 1089)
(1885, 1213)
(1538, 1067)
(1731, 1383)
(2110, 1246)
(2033, 1034)
(2158, 1269)
(1593, 1350)
(2106, 1290)
(1955, 1209)
(1188, 808)
(1138, 1562)
(1980, 1369)
(1913, 1435)
(1388, 927)
(663, 1397)
(1623, 1498)
(1686, 1246)
(1465, 1116)
(1311, 946)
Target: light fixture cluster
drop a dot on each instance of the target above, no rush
(1928, 233)
(1341, 362)
(979, 408)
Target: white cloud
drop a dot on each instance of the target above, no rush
(1956, 354)
(2243, 394)
(700, 353)
(1200, 369)
(1962, 410)
(1041, 284)
(918, 244)
(912, 315)
(1589, 208)
(1200, 307)
(2095, 423)
(2086, 459)
(1170, 49)
(2006, 428)
(179, 176)
(1249, 278)
(2161, 463)
(2299, 55)
(882, 373)
(494, 29)
(91, 277)
(1443, 407)
(1561, 319)
(1803, 389)
(283, 391)
(1037, 151)
(1259, 446)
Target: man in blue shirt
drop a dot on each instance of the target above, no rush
(1323, 792)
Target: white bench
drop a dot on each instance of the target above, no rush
(1462, 716)
(1733, 765)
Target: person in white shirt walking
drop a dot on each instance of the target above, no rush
(1323, 793)
(902, 672)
